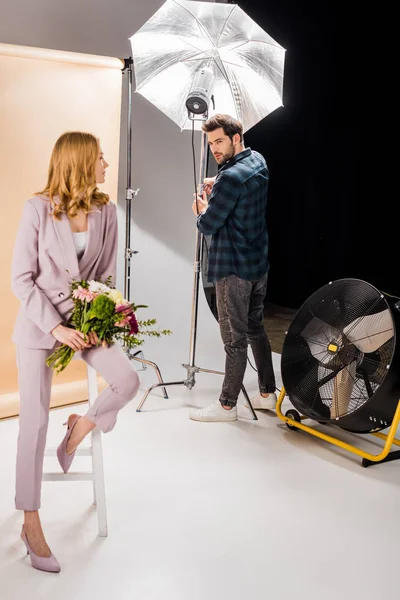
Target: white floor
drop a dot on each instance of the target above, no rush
(242, 511)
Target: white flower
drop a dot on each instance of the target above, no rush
(116, 297)
(97, 287)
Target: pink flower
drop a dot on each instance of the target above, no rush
(128, 318)
(83, 294)
(123, 323)
(125, 308)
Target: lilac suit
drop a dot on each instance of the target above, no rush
(44, 263)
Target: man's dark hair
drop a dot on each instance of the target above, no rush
(228, 124)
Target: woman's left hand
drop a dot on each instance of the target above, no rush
(93, 338)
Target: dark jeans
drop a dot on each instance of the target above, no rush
(240, 306)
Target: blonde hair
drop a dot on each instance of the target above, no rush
(72, 174)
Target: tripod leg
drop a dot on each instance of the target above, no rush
(153, 387)
(157, 370)
(140, 354)
(255, 418)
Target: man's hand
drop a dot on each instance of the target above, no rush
(201, 204)
(208, 184)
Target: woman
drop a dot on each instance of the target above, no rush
(67, 231)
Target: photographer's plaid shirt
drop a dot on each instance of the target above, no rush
(235, 218)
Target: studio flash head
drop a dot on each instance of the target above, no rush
(200, 93)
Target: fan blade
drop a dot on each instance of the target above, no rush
(318, 334)
(342, 391)
(370, 332)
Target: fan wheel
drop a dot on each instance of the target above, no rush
(295, 416)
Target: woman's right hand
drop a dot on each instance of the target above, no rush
(71, 337)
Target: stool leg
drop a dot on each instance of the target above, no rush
(99, 487)
(94, 494)
(99, 491)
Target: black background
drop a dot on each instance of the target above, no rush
(327, 218)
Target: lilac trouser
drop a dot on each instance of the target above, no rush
(35, 379)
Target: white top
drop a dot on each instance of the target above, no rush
(80, 241)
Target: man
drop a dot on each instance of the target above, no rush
(238, 262)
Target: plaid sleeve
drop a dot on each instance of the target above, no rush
(225, 193)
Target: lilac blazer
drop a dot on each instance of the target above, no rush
(45, 262)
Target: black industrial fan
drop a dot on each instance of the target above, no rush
(340, 362)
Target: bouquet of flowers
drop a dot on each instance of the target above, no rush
(102, 309)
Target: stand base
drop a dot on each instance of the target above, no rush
(189, 382)
(294, 421)
(394, 455)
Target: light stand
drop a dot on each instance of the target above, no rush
(191, 367)
(129, 195)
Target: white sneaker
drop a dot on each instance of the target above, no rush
(214, 412)
(261, 403)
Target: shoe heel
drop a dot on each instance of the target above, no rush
(49, 564)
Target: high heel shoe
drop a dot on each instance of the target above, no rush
(49, 564)
(64, 458)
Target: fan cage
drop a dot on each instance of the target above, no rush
(338, 350)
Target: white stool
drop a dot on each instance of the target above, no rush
(95, 451)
